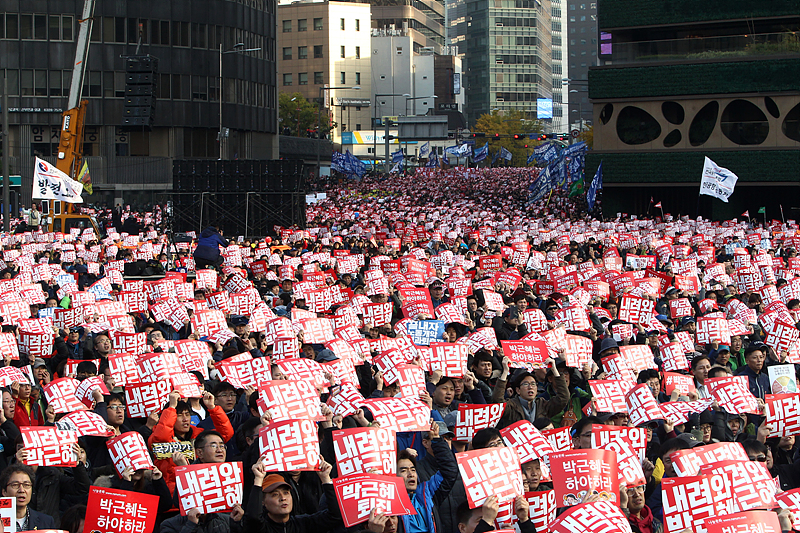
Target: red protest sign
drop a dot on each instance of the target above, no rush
(638, 356)
(399, 414)
(578, 351)
(365, 450)
(85, 423)
(526, 354)
(710, 329)
(783, 414)
(490, 472)
(584, 472)
(790, 499)
(751, 484)
(289, 446)
(690, 501)
(472, 418)
(289, 400)
(60, 393)
(642, 406)
(746, 522)
(376, 315)
(609, 395)
(688, 462)
(673, 357)
(359, 494)
(541, 510)
(346, 400)
(683, 383)
(635, 310)
(120, 511)
(732, 394)
(129, 450)
(595, 517)
(680, 307)
(450, 358)
(144, 398)
(49, 446)
(210, 487)
(527, 440)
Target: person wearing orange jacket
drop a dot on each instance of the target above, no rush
(174, 426)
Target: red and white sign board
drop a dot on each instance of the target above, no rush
(129, 450)
(527, 440)
(595, 517)
(142, 399)
(746, 522)
(49, 446)
(359, 494)
(783, 414)
(584, 472)
(690, 501)
(752, 485)
(490, 472)
(642, 406)
(210, 487)
(688, 462)
(450, 358)
(528, 354)
(85, 423)
(399, 414)
(365, 450)
(732, 394)
(472, 418)
(289, 446)
(609, 395)
(289, 400)
(60, 393)
(120, 511)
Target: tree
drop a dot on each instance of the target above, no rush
(507, 124)
(300, 115)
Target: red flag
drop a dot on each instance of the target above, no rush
(746, 214)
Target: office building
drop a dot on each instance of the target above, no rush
(560, 43)
(38, 41)
(581, 20)
(682, 85)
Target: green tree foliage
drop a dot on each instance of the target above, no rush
(507, 124)
(299, 115)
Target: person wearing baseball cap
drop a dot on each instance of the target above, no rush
(270, 510)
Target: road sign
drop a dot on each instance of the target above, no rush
(575, 134)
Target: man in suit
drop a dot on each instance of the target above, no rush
(16, 481)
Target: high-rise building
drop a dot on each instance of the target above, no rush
(560, 43)
(323, 45)
(581, 37)
(680, 85)
(507, 55)
(423, 21)
(38, 41)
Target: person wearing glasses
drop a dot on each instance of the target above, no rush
(524, 403)
(17, 482)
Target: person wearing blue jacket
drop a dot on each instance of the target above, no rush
(427, 495)
(207, 252)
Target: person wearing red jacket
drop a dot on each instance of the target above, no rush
(174, 425)
(27, 411)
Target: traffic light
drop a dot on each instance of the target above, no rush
(496, 136)
(526, 146)
(474, 135)
(518, 136)
(542, 137)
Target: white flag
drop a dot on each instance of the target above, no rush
(717, 181)
(425, 149)
(49, 183)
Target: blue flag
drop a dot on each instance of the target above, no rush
(433, 161)
(597, 183)
(354, 165)
(546, 152)
(541, 186)
(531, 159)
(576, 163)
(397, 156)
(445, 159)
(495, 157)
(575, 149)
(481, 153)
(505, 154)
(338, 162)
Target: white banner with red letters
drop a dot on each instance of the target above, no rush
(584, 472)
(527, 354)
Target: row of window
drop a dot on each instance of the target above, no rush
(36, 26)
(583, 18)
(518, 59)
(516, 97)
(302, 52)
(123, 30)
(522, 22)
(592, 5)
(502, 77)
(56, 83)
(319, 78)
(302, 25)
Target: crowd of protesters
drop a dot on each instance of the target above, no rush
(461, 224)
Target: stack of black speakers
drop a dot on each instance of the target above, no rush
(243, 197)
(141, 75)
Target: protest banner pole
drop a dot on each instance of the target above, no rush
(6, 156)
(662, 213)
(782, 217)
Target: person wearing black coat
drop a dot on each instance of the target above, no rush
(12, 481)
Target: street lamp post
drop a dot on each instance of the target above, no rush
(375, 130)
(319, 117)
(238, 47)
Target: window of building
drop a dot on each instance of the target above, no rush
(302, 52)
(26, 82)
(318, 24)
(287, 26)
(583, 6)
(108, 84)
(12, 26)
(287, 52)
(40, 83)
(358, 78)
(317, 51)
(341, 24)
(302, 24)
(200, 88)
(358, 24)
(40, 27)
(583, 18)
(399, 50)
(54, 28)
(55, 83)
(572, 19)
(199, 36)
(26, 26)
(94, 83)
(164, 85)
(302, 78)
(342, 77)
(358, 127)
(341, 51)
(318, 79)
(572, 7)
(287, 79)
(358, 52)
(180, 33)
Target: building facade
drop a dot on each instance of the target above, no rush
(38, 41)
(560, 43)
(681, 85)
(423, 21)
(322, 46)
(582, 40)
(507, 55)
